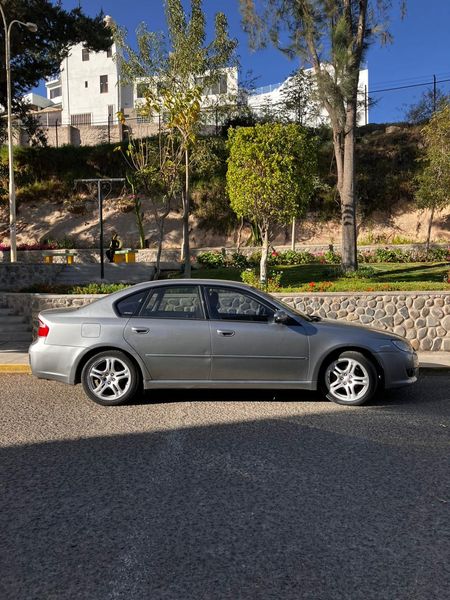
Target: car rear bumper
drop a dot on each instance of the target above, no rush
(53, 362)
(399, 368)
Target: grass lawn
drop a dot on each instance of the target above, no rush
(386, 277)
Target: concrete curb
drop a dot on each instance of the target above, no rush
(15, 369)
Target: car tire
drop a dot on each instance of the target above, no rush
(110, 378)
(350, 379)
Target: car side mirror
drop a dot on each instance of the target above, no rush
(280, 317)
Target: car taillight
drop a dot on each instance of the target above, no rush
(43, 329)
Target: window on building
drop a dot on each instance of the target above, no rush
(81, 119)
(218, 87)
(55, 92)
(141, 88)
(86, 84)
(103, 84)
(84, 54)
(109, 52)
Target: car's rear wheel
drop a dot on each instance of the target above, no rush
(110, 378)
(350, 379)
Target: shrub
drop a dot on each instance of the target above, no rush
(332, 257)
(251, 277)
(40, 191)
(213, 260)
(238, 260)
(293, 257)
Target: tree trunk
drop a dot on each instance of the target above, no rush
(159, 251)
(264, 256)
(239, 237)
(139, 221)
(186, 211)
(347, 193)
(430, 225)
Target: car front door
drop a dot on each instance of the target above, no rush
(172, 335)
(246, 343)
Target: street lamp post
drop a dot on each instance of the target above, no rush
(12, 190)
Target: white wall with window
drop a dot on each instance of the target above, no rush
(221, 92)
(89, 88)
(270, 99)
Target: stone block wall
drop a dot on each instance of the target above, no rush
(423, 318)
(14, 276)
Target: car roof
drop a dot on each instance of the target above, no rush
(185, 282)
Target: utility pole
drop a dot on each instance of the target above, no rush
(434, 94)
(12, 188)
(100, 189)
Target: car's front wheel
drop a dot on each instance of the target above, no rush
(110, 378)
(350, 379)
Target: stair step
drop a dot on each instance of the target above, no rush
(6, 311)
(19, 336)
(19, 327)
(11, 319)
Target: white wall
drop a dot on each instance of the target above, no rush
(79, 99)
(208, 101)
(273, 98)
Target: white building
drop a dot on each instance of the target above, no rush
(271, 99)
(217, 95)
(89, 88)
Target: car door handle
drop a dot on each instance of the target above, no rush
(140, 330)
(226, 332)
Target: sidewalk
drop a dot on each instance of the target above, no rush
(16, 360)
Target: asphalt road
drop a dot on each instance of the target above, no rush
(224, 495)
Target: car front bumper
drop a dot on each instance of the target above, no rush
(399, 368)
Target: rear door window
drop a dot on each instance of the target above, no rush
(130, 305)
(174, 302)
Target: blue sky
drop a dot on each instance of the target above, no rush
(420, 49)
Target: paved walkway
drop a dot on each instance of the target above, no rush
(15, 360)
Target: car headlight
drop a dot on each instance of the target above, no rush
(402, 345)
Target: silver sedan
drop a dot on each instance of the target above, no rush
(209, 333)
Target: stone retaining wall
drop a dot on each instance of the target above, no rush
(423, 318)
(14, 276)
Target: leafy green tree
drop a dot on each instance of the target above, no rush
(433, 191)
(35, 56)
(332, 36)
(177, 70)
(271, 176)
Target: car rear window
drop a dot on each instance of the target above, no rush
(129, 306)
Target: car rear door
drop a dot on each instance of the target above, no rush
(246, 343)
(172, 335)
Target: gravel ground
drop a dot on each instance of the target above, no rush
(224, 495)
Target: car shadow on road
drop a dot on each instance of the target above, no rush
(383, 398)
(348, 503)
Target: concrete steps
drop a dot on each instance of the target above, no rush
(11, 337)
(14, 328)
